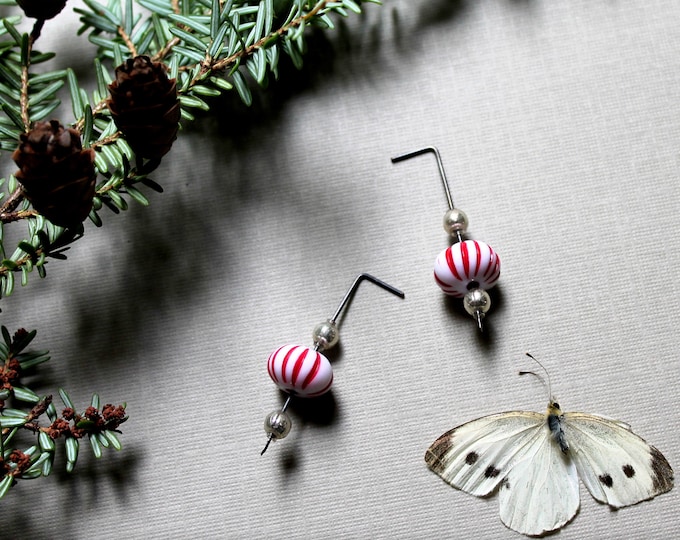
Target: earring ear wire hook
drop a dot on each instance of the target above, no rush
(440, 165)
(355, 285)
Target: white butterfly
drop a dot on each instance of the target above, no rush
(537, 460)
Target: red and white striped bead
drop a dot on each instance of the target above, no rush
(300, 370)
(465, 265)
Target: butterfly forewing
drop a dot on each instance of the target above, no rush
(617, 466)
(476, 456)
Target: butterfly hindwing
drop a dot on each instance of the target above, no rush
(540, 493)
(617, 466)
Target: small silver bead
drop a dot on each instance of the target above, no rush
(277, 424)
(455, 221)
(477, 301)
(325, 335)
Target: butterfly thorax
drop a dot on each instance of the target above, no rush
(556, 425)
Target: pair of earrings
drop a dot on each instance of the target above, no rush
(463, 270)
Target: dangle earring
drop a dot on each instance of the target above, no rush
(305, 372)
(468, 267)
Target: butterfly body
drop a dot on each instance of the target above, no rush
(535, 460)
(555, 424)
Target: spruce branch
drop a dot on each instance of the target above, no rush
(99, 424)
(23, 100)
(128, 42)
(209, 46)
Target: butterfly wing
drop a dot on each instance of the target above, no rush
(617, 466)
(540, 493)
(474, 457)
(539, 490)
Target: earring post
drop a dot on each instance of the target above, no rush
(271, 436)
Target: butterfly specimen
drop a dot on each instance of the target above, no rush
(535, 461)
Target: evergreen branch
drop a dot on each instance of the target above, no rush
(208, 63)
(106, 140)
(205, 43)
(12, 202)
(100, 425)
(24, 87)
(17, 265)
(100, 107)
(37, 28)
(128, 42)
(9, 217)
(27, 48)
(166, 50)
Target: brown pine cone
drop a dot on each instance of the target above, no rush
(57, 174)
(145, 107)
(41, 9)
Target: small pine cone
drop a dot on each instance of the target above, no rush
(57, 174)
(41, 9)
(145, 107)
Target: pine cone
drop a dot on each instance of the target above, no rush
(41, 9)
(145, 107)
(57, 174)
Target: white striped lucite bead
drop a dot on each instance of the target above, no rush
(300, 371)
(466, 265)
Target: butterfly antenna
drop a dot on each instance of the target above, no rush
(547, 384)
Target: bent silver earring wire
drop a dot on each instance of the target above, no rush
(468, 267)
(304, 371)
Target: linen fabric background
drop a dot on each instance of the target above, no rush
(558, 123)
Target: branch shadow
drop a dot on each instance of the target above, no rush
(156, 239)
(24, 511)
(161, 276)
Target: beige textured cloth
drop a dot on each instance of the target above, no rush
(559, 128)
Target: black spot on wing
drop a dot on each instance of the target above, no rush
(606, 480)
(662, 480)
(491, 472)
(471, 458)
(628, 471)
